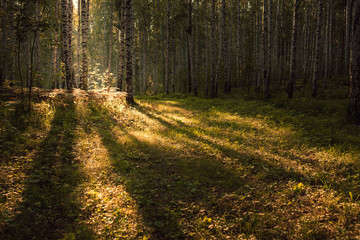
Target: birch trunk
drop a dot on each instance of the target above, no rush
(55, 69)
(347, 40)
(327, 43)
(167, 60)
(84, 33)
(128, 50)
(110, 46)
(269, 50)
(238, 47)
(65, 42)
(265, 48)
(70, 73)
(192, 85)
(317, 49)
(306, 44)
(213, 53)
(78, 57)
(145, 46)
(122, 8)
(207, 82)
(354, 106)
(291, 86)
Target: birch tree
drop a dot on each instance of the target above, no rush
(291, 86)
(84, 34)
(167, 60)
(214, 85)
(317, 48)
(121, 9)
(65, 42)
(128, 50)
(265, 55)
(354, 106)
(347, 39)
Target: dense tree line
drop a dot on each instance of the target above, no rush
(197, 46)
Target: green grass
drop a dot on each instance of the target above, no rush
(179, 167)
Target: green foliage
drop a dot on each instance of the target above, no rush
(179, 167)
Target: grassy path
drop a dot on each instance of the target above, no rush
(182, 169)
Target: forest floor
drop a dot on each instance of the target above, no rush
(87, 166)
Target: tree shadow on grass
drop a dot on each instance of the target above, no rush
(49, 209)
(267, 170)
(164, 182)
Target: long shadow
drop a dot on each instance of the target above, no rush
(306, 133)
(163, 182)
(49, 209)
(267, 170)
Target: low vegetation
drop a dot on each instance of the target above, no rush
(87, 166)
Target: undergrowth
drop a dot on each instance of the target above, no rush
(180, 167)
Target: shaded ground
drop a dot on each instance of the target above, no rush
(91, 167)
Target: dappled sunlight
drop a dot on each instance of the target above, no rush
(106, 206)
(163, 170)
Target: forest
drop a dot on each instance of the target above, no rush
(179, 119)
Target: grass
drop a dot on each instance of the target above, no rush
(179, 167)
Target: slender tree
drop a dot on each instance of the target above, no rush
(55, 81)
(167, 60)
(265, 46)
(121, 9)
(214, 84)
(128, 50)
(70, 72)
(65, 42)
(78, 57)
(347, 39)
(291, 86)
(317, 48)
(327, 51)
(110, 44)
(190, 49)
(269, 51)
(354, 106)
(84, 33)
(238, 42)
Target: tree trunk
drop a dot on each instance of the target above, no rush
(306, 44)
(265, 49)
(317, 49)
(144, 58)
(291, 87)
(354, 106)
(70, 77)
(213, 53)
(55, 55)
(327, 43)
(121, 9)
(3, 43)
(128, 46)
(190, 50)
(84, 33)
(238, 47)
(78, 58)
(167, 60)
(347, 41)
(110, 45)
(269, 50)
(222, 63)
(207, 82)
(275, 55)
(37, 49)
(65, 42)
(225, 48)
